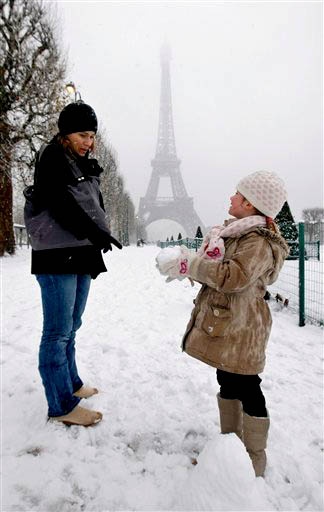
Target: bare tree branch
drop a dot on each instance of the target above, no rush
(32, 72)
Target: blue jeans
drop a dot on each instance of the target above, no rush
(64, 298)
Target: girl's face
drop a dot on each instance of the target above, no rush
(238, 206)
(81, 142)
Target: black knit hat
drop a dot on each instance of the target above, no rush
(77, 117)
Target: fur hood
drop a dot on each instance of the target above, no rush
(280, 249)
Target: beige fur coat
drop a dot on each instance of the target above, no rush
(231, 322)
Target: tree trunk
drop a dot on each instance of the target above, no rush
(7, 237)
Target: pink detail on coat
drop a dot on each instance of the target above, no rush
(183, 266)
(215, 253)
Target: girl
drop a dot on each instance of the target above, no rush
(231, 322)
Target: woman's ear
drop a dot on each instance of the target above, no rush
(93, 146)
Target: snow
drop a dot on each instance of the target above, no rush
(159, 405)
(167, 255)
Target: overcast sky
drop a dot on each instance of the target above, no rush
(246, 82)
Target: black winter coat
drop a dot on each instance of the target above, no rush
(53, 175)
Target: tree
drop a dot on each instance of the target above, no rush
(313, 218)
(199, 233)
(126, 219)
(109, 179)
(140, 230)
(118, 204)
(288, 229)
(313, 214)
(286, 223)
(179, 236)
(171, 239)
(31, 94)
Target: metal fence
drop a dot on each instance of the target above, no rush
(191, 243)
(301, 280)
(300, 285)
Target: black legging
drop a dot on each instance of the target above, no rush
(245, 388)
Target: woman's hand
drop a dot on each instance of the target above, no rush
(111, 240)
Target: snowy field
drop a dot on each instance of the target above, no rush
(159, 405)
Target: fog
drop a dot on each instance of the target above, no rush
(246, 81)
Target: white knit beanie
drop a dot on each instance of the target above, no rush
(265, 190)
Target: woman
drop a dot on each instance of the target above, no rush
(65, 219)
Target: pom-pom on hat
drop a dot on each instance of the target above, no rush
(265, 190)
(77, 117)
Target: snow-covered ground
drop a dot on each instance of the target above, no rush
(159, 405)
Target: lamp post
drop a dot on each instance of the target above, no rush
(71, 89)
(137, 226)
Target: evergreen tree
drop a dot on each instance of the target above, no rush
(179, 236)
(286, 223)
(199, 233)
(288, 229)
(171, 239)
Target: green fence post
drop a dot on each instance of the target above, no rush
(301, 243)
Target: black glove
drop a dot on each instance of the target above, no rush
(111, 240)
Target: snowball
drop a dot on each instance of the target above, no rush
(168, 254)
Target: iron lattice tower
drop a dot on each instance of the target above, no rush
(180, 206)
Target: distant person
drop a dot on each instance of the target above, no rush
(231, 322)
(65, 219)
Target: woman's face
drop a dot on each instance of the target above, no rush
(81, 142)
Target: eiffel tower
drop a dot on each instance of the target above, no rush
(180, 206)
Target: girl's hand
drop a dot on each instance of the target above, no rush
(174, 261)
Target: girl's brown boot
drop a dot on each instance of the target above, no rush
(230, 415)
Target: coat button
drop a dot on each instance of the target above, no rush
(210, 328)
(216, 312)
